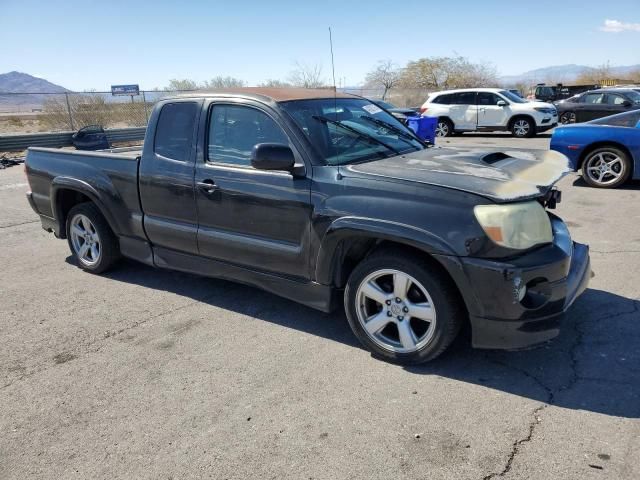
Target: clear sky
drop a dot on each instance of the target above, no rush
(91, 45)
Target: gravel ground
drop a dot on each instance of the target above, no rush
(144, 373)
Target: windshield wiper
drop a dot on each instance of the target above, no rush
(366, 136)
(402, 134)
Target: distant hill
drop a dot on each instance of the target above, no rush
(18, 82)
(562, 73)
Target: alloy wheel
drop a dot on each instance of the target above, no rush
(442, 129)
(521, 128)
(396, 311)
(604, 168)
(85, 240)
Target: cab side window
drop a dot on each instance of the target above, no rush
(234, 130)
(615, 99)
(594, 98)
(464, 98)
(174, 130)
(488, 98)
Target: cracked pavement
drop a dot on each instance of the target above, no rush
(144, 373)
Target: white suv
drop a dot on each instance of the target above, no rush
(488, 109)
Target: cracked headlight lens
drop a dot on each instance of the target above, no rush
(515, 225)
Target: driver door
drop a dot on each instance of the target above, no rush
(252, 218)
(490, 114)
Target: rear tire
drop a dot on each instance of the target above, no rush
(444, 128)
(402, 307)
(93, 244)
(606, 167)
(523, 127)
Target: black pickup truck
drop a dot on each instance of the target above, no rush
(325, 199)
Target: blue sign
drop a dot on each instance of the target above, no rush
(125, 90)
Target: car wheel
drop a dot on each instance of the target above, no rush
(568, 117)
(523, 128)
(92, 243)
(401, 308)
(606, 167)
(444, 128)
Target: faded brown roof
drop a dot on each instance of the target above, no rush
(276, 94)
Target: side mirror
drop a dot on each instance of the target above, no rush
(627, 103)
(272, 156)
(501, 103)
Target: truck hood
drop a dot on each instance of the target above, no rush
(501, 176)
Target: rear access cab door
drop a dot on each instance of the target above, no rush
(166, 176)
(463, 110)
(252, 218)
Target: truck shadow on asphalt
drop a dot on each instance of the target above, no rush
(594, 364)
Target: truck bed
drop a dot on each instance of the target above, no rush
(109, 176)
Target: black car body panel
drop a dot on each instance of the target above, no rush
(295, 233)
(594, 104)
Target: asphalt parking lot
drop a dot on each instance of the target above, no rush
(144, 373)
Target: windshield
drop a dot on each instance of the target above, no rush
(349, 130)
(512, 96)
(633, 96)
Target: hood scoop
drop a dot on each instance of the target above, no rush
(501, 176)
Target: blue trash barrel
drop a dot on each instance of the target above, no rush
(423, 127)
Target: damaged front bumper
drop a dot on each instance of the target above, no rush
(520, 303)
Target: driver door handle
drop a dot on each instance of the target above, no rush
(207, 186)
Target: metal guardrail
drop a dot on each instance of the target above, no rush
(15, 143)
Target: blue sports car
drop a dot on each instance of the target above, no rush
(607, 150)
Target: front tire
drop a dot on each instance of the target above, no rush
(92, 242)
(523, 127)
(606, 167)
(402, 308)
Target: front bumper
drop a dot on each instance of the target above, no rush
(555, 276)
(544, 128)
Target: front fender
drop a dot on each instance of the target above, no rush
(330, 256)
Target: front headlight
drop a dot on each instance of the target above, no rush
(546, 110)
(515, 225)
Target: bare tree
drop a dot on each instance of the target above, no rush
(273, 83)
(224, 82)
(595, 75)
(447, 72)
(181, 84)
(306, 76)
(385, 75)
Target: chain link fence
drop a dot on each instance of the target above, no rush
(22, 113)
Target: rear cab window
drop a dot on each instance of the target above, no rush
(174, 130)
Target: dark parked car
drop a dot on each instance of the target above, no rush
(401, 113)
(548, 93)
(328, 201)
(597, 104)
(606, 150)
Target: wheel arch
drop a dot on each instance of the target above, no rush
(521, 115)
(68, 192)
(448, 119)
(350, 239)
